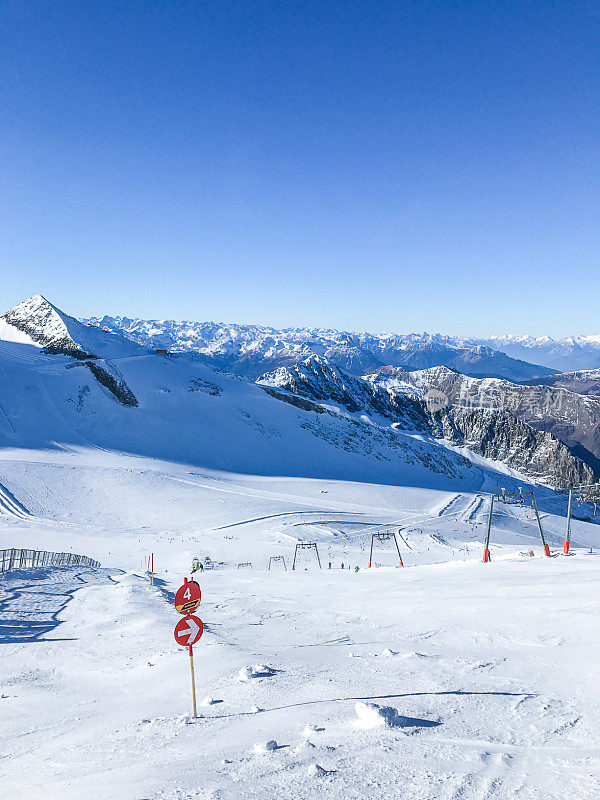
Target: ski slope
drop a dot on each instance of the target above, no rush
(493, 689)
(489, 668)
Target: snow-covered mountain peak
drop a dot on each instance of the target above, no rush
(37, 322)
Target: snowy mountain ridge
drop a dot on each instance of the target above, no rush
(566, 354)
(57, 392)
(252, 350)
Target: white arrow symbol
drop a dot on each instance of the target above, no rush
(190, 631)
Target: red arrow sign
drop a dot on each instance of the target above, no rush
(188, 597)
(188, 630)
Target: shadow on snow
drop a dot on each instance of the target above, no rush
(32, 601)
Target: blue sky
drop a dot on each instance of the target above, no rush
(359, 165)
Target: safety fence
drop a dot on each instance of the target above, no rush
(23, 559)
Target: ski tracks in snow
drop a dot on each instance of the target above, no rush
(10, 506)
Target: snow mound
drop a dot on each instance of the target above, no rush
(370, 715)
(265, 747)
(208, 701)
(317, 771)
(309, 730)
(257, 671)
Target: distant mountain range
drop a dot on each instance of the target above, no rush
(251, 350)
(564, 355)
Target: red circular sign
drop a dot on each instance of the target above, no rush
(188, 597)
(188, 630)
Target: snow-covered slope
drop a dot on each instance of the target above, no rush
(433, 681)
(446, 678)
(252, 350)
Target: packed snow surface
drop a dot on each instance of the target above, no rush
(445, 679)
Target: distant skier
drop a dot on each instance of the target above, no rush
(356, 568)
(342, 565)
(330, 565)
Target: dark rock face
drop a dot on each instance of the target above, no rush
(571, 418)
(115, 385)
(495, 433)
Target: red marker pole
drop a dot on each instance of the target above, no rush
(152, 570)
(486, 551)
(537, 516)
(568, 539)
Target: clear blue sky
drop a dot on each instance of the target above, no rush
(360, 165)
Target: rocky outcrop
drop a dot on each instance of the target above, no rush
(572, 418)
(114, 383)
(324, 383)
